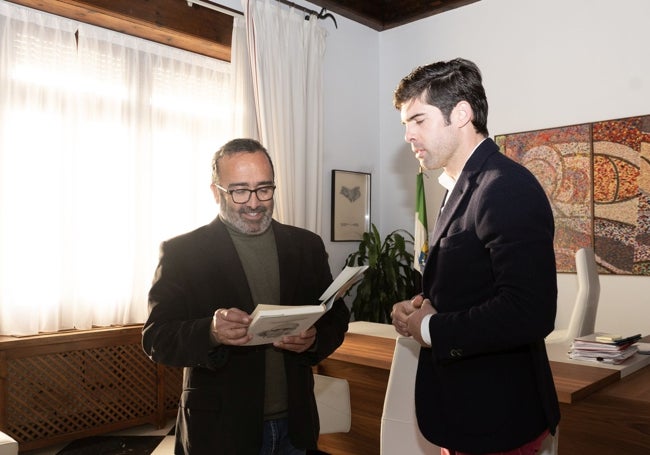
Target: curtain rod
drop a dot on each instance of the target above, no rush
(310, 12)
(214, 7)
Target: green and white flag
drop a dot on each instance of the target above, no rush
(421, 242)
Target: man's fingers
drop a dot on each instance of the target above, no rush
(234, 315)
(417, 301)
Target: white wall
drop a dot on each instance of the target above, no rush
(351, 114)
(545, 64)
(548, 64)
(351, 117)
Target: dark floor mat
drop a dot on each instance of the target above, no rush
(112, 445)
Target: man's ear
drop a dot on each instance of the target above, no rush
(463, 113)
(215, 192)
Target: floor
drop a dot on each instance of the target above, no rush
(166, 447)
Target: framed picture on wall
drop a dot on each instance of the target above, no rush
(350, 205)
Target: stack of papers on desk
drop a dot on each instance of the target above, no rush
(604, 347)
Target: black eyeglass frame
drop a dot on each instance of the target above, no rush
(241, 191)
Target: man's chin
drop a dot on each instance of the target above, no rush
(247, 226)
(256, 228)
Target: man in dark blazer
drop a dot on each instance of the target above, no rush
(484, 383)
(241, 400)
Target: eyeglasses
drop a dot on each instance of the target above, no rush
(242, 196)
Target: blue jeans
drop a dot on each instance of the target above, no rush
(275, 440)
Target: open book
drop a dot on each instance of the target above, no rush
(271, 322)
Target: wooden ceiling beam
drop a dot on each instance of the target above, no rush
(385, 14)
(171, 22)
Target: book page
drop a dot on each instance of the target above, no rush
(344, 281)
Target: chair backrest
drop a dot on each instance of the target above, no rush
(550, 444)
(8, 445)
(583, 317)
(400, 434)
(333, 402)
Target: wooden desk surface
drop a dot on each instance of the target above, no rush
(572, 382)
(575, 382)
(613, 420)
(367, 350)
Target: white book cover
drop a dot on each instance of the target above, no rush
(272, 322)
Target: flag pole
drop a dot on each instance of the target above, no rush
(421, 237)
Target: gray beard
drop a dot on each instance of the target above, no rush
(234, 221)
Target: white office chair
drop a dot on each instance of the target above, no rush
(549, 446)
(400, 434)
(333, 402)
(8, 445)
(583, 317)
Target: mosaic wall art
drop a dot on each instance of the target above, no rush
(597, 177)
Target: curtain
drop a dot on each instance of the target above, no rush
(244, 118)
(105, 149)
(286, 53)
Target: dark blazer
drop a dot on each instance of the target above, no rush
(486, 384)
(221, 406)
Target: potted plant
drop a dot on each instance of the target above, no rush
(390, 276)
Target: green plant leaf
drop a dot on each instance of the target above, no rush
(389, 278)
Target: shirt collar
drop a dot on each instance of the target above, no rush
(446, 180)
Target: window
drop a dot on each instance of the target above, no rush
(105, 149)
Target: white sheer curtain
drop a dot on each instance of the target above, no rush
(105, 149)
(245, 118)
(286, 53)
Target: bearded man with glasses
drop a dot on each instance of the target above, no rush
(236, 399)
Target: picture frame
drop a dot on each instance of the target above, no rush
(350, 205)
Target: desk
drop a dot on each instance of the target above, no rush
(602, 414)
(364, 360)
(613, 420)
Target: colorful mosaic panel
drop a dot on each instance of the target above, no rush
(560, 158)
(597, 177)
(621, 229)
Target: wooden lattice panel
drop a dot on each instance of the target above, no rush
(71, 391)
(56, 388)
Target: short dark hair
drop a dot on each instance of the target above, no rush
(238, 146)
(444, 85)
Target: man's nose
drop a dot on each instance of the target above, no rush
(253, 201)
(408, 134)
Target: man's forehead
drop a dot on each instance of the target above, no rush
(246, 162)
(253, 156)
(412, 108)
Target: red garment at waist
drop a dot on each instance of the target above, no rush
(530, 448)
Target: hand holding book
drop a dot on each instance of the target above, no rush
(272, 322)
